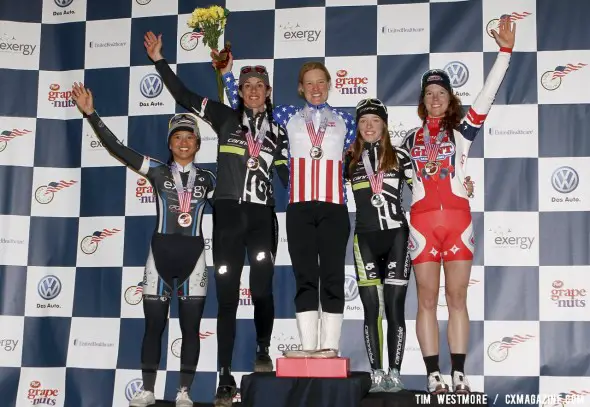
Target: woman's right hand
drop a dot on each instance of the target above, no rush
(230, 62)
(153, 46)
(83, 98)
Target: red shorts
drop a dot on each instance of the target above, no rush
(441, 235)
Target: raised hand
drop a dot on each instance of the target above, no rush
(230, 61)
(83, 98)
(153, 46)
(507, 35)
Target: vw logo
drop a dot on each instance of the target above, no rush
(49, 287)
(132, 388)
(351, 290)
(458, 73)
(63, 3)
(565, 179)
(151, 85)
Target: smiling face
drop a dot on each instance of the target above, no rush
(436, 100)
(254, 92)
(184, 145)
(371, 127)
(314, 86)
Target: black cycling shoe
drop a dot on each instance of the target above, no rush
(263, 363)
(225, 395)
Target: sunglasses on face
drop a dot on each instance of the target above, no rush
(258, 68)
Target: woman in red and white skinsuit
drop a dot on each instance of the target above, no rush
(440, 216)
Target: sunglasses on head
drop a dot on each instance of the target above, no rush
(372, 101)
(258, 68)
(182, 118)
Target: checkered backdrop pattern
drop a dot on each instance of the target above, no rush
(75, 224)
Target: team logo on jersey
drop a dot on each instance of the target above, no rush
(495, 23)
(565, 179)
(7, 135)
(458, 73)
(132, 388)
(49, 287)
(498, 350)
(190, 40)
(44, 194)
(445, 150)
(551, 80)
(89, 244)
(151, 85)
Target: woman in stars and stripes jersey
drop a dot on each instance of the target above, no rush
(440, 217)
(317, 215)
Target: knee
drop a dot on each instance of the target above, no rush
(456, 298)
(428, 298)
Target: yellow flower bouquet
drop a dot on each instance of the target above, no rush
(210, 21)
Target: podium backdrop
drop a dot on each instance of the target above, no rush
(75, 224)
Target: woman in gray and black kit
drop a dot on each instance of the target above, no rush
(377, 172)
(177, 248)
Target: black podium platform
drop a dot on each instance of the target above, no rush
(267, 390)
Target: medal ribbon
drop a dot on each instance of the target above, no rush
(316, 138)
(184, 193)
(376, 180)
(432, 148)
(255, 142)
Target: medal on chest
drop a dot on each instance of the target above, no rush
(184, 193)
(375, 179)
(433, 165)
(255, 143)
(316, 137)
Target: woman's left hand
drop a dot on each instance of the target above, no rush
(507, 35)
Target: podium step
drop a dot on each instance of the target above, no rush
(310, 367)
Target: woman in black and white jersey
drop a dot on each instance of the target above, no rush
(377, 172)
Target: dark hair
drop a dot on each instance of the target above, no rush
(453, 115)
(387, 161)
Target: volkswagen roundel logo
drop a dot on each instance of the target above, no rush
(63, 3)
(565, 179)
(458, 73)
(151, 85)
(49, 287)
(132, 388)
(351, 290)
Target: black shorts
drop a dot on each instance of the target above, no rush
(382, 257)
